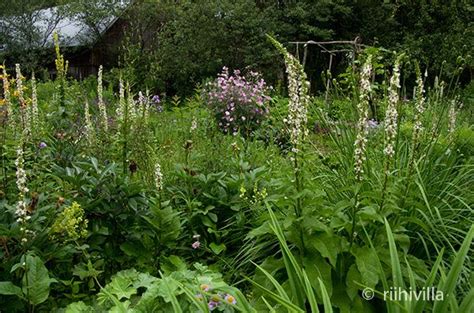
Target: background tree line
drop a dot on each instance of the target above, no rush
(172, 45)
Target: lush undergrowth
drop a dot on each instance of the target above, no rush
(237, 199)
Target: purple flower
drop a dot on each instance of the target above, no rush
(212, 305)
(372, 123)
(196, 245)
(159, 108)
(42, 145)
(155, 99)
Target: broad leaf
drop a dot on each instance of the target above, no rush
(36, 281)
(8, 288)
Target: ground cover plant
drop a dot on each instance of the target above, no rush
(237, 198)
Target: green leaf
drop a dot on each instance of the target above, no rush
(78, 307)
(121, 287)
(217, 249)
(84, 271)
(326, 299)
(366, 262)
(352, 277)
(316, 267)
(36, 281)
(8, 288)
(329, 246)
(449, 285)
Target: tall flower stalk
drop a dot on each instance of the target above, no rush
(143, 105)
(89, 128)
(21, 208)
(61, 69)
(391, 123)
(298, 91)
(24, 119)
(419, 108)
(122, 103)
(6, 94)
(362, 125)
(158, 182)
(452, 115)
(391, 115)
(131, 109)
(100, 98)
(419, 93)
(362, 134)
(34, 112)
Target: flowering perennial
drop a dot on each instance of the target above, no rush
(122, 103)
(21, 209)
(158, 178)
(155, 101)
(102, 108)
(238, 102)
(70, 223)
(452, 115)
(419, 106)
(362, 125)
(130, 107)
(194, 125)
(34, 114)
(298, 91)
(391, 115)
(21, 98)
(6, 92)
(144, 104)
(196, 244)
(89, 129)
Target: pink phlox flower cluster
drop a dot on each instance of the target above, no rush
(238, 102)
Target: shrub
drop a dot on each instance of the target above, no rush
(239, 103)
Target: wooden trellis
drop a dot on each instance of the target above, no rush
(355, 46)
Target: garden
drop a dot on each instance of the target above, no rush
(241, 195)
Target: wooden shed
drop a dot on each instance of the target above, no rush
(86, 44)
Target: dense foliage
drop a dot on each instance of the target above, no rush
(113, 199)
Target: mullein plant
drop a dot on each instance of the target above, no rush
(20, 92)
(420, 100)
(362, 124)
(33, 109)
(21, 212)
(391, 123)
(419, 110)
(61, 69)
(100, 99)
(122, 102)
(298, 91)
(452, 115)
(88, 127)
(6, 95)
(143, 105)
(361, 135)
(132, 112)
(158, 182)
(126, 119)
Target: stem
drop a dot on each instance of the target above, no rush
(87, 256)
(354, 211)
(298, 204)
(385, 184)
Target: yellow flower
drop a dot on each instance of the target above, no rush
(2, 101)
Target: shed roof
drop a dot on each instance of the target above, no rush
(72, 30)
